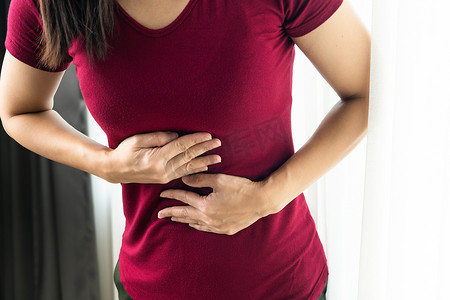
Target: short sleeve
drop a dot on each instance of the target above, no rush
(303, 16)
(24, 27)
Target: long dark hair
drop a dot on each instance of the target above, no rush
(93, 20)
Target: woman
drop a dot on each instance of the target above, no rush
(195, 99)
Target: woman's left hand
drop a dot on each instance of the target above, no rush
(234, 204)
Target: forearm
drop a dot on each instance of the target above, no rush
(48, 134)
(337, 135)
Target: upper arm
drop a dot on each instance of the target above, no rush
(24, 89)
(340, 51)
(26, 85)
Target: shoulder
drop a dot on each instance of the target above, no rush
(24, 9)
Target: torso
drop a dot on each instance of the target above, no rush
(154, 14)
(220, 66)
(224, 67)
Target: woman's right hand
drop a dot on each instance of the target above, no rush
(26, 112)
(160, 157)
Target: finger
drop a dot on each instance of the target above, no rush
(188, 212)
(185, 159)
(183, 143)
(188, 197)
(198, 170)
(202, 227)
(154, 139)
(185, 220)
(204, 180)
(200, 163)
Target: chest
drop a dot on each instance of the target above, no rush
(222, 62)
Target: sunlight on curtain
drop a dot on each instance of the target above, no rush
(406, 229)
(397, 246)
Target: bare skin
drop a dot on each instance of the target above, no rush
(340, 50)
(154, 14)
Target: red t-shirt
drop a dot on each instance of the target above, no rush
(224, 67)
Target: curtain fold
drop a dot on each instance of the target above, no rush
(406, 232)
(383, 212)
(378, 177)
(47, 234)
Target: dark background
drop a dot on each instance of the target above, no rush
(47, 234)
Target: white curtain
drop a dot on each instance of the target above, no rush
(383, 213)
(406, 229)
